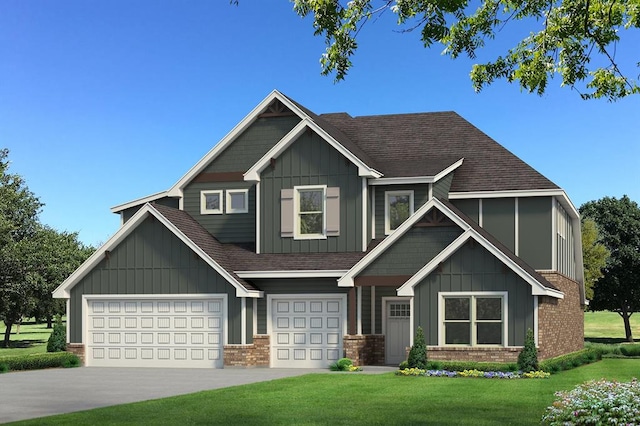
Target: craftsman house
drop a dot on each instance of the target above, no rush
(302, 238)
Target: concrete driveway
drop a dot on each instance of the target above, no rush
(32, 394)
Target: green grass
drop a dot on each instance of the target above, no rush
(607, 327)
(31, 340)
(358, 399)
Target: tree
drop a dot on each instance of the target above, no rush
(618, 290)
(575, 39)
(594, 255)
(418, 352)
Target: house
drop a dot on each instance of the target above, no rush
(302, 238)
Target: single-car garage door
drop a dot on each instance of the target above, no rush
(306, 331)
(155, 332)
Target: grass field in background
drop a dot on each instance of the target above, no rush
(31, 340)
(607, 327)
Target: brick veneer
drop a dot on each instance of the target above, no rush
(560, 321)
(253, 355)
(77, 349)
(473, 354)
(365, 349)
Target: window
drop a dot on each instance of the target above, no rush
(237, 200)
(476, 319)
(211, 202)
(398, 207)
(310, 212)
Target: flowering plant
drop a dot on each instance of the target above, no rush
(596, 402)
(473, 373)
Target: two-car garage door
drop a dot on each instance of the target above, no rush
(155, 332)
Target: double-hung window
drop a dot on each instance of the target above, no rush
(398, 206)
(475, 319)
(310, 202)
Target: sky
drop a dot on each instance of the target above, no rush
(106, 101)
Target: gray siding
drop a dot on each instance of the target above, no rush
(380, 293)
(151, 260)
(311, 161)
(228, 228)
(499, 219)
(252, 144)
(420, 197)
(412, 251)
(534, 231)
(470, 208)
(292, 286)
(472, 268)
(165, 201)
(441, 187)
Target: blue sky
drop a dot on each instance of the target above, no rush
(103, 102)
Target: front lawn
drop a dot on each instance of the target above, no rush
(356, 398)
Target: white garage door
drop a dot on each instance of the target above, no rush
(147, 332)
(306, 332)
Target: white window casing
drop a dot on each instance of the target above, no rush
(237, 201)
(292, 213)
(388, 195)
(211, 202)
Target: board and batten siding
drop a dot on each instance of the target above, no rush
(499, 219)
(310, 160)
(472, 268)
(227, 228)
(252, 144)
(150, 261)
(420, 197)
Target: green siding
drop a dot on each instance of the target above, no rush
(380, 293)
(472, 268)
(470, 208)
(152, 260)
(441, 187)
(228, 228)
(366, 309)
(412, 251)
(252, 144)
(499, 219)
(292, 286)
(534, 231)
(420, 197)
(311, 161)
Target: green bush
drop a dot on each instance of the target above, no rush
(418, 352)
(630, 350)
(403, 365)
(528, 357)
(343, 364)
(3, 367)
(58, 339)
(40, 361)
(570, 361)
(471, 365)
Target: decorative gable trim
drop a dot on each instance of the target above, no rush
(253, 174)
(63, 290)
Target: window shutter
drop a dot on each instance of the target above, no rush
(286, 213)
(333, 212)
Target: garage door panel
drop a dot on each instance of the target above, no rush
(155, 333)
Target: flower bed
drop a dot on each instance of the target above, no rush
(473, 373)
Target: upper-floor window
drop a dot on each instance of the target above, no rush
(310, 211)
(237, 201)
(398, 206)
(473, 319)
(211, 202)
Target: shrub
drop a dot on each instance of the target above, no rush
(471, 365)
(630, 350)
(528, 357)
(403, 365)
(3, 367)
(596, 402)
(569, 361)
(58, 339)
(343, 364)
(40, 361)
(418, 352)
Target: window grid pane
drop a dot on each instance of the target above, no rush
(399, 310)
(311, 211)
(480, 314)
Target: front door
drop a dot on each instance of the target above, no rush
(397, 332)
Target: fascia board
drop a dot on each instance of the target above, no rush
(448, 170)
(401, 180)
(291, 274)
(137, 202)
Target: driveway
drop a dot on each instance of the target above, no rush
(31, 394)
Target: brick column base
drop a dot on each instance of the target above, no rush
(253, 355)
(365, 349)
(77, 349)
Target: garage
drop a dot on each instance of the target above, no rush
(306, 331)
(143, 331)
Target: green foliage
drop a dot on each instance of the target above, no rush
(343, 364)
(572, 39)
(630, 350)
(596, 402)
(418, 352)
(40, 361)
(570, 361)
(3, 367)
(528, 357)
(403, 365)
(58, 340)
(594, 255)
(471, 365)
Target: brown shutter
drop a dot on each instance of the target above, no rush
(333, 212)
(286, 213)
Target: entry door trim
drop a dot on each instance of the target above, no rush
(385, 301)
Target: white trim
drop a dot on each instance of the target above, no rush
(296, 211)
(373, 213)
(430, 192)
(138, 201)
(359, 310)
(258, 218)
(517, 227)
(373, 309)
(291, 273)
(253, 174)
(405, 180)
(255, 316)
(229, 208)
(535, 319)
(504, 295)
(480, 221)
(203, 201)
(387, 194)
(554, 237)
(68, 324)
(62, 291)
(243, 320)
(411, 319)
(365, 211)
